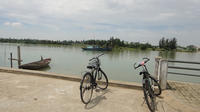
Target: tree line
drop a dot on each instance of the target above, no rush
(164, 43)
(112, 42)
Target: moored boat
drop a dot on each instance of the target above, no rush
(37, 64)
(96, 48)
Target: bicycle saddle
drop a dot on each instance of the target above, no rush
(90, 67)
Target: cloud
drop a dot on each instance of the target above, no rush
(7, 23)
(13, 24)
(128, 19)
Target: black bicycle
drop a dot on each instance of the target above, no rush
(95, 78)
(151, 87)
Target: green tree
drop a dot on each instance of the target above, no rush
(168, 44)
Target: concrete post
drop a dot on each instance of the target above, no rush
(163, 73)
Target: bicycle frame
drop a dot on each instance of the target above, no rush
(94, 73)
(146, 75)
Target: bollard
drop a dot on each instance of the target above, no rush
(160, 73)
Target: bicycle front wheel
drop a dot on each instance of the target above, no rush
(149, 96)
(102, 80)
(86, 88)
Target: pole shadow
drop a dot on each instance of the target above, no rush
(170, 87)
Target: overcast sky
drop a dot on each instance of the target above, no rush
(129, 20)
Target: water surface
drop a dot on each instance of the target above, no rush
(118, 65)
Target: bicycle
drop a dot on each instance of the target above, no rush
(92, 79)
(150, 85)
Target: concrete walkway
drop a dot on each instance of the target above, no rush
(27, 93)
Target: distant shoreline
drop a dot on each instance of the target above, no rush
(121, 45)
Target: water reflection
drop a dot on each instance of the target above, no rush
(126, 53)
(47, 68)
(167, 54)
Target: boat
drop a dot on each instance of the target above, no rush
(96, 48)
(37, 64)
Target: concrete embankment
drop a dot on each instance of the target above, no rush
(113, 83)
(27, 91)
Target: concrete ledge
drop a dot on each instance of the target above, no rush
(40, 73)
(128, 85)
(122, 84)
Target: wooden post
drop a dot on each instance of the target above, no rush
(19, 55)
(11, 64)
(163, 73)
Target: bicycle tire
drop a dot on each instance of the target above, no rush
(157, 90)
(87, 78)
(102, 82)
(149, 96)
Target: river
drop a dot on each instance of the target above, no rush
(118, 65)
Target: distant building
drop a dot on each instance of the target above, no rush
(192, 48)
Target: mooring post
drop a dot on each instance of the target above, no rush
(160, 73)
(19, 56)
(11, 64)
(156, 74)
(163, 73)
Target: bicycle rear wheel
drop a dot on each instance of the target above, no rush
(102, 80)
(156, 86)
(86, 88)
(149, 96)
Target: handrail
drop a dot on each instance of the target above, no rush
(190, 62)
(175, 67)
(183, 74)
(184, 68)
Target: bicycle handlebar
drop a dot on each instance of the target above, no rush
(146, 59)
(137, 66)
(96, 57)
(142, 63)
(101, 55)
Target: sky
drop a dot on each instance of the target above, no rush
(129, 20)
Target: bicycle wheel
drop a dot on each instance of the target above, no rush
(149, 96)
(86, 88)
(156, 86)
(102, 80)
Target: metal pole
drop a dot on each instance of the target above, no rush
(11, 64)
(19, 56)
(156, 71)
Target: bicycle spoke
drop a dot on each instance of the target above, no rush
(86, 88)
(102, 80)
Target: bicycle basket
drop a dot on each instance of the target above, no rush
(94, 63)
